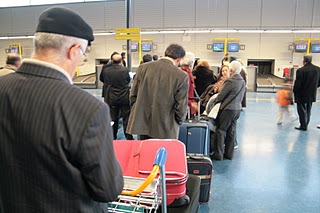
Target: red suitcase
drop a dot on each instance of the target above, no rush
(136, 157)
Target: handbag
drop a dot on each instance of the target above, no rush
(214, 111)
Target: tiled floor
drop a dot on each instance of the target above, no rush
(275, 169)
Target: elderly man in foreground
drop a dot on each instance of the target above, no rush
(56, 150)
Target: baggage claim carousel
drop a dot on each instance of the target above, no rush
(271, 83)
(268, 83)
(88, 81)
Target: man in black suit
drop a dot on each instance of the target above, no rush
(305, 90)
(109, 64)
(56, 150)
(116, 81)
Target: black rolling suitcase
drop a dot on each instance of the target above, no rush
(193, 191)
(202, 167)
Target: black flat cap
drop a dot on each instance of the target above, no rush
(63, 21)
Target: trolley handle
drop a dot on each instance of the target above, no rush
(160, 158)
(159, 161)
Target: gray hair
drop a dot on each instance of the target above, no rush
(235, 67)
(60, 43)
(307, 58)
(188, 59)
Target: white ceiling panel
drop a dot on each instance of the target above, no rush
(5, 22)
(277, 13)
(244, 13)
(209, 13)
(316, 14)
(304, 11)
(115, 15)
(148, 14)
(179, 14)
(23, 20)
(93, 13)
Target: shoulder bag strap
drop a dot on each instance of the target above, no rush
(233, 97)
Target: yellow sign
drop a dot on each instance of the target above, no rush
(15, 48)
(127, 34)
(306, 39)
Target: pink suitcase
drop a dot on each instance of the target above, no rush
(136, 159)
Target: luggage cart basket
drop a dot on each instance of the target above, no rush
(144, 195)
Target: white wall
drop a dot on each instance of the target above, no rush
(258, 46)
(183, 14)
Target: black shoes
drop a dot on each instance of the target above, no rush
(300, 128)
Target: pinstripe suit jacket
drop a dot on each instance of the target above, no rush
(56, 151)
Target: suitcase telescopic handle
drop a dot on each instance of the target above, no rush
(197, 99)
(196, 156)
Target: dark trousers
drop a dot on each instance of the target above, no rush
(226, 134)
(304, 112)
(115, 116)
(244, 99)
(144, 137)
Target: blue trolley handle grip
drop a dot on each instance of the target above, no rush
(161, 157)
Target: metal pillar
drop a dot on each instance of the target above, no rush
(128, 16)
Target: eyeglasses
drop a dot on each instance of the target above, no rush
(84, 59)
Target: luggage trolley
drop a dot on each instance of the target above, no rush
(144, 195)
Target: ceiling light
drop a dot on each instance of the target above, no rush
(100, 34)
(151, 32)
(171, 32)
(306, 31)
(278, 31)
(250, 31)
(223, 31)
(16, 37)
(197, 31)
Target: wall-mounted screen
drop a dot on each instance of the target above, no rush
(134, 47)
(14, 49)
(315, 48)
(301, 48)
(218, 47)
(233, 47)
(146, 47)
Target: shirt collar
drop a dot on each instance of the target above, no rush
(10, 67)
(49, 65)
(168, 58)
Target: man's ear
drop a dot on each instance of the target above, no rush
(178, 61)
(72, 51)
